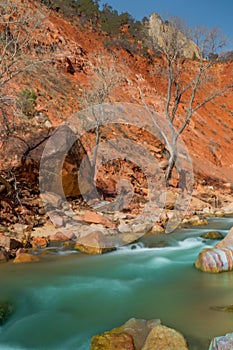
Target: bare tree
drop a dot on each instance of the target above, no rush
(105, 76)
(19, 53)
(17, 28)
(177, 44)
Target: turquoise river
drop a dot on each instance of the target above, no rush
(61, 302)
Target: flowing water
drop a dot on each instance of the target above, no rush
(61, 303)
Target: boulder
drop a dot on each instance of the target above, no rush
(157, 229)
(26, 258)
(9, 243)
(52, 200)
(228, 209)
(57, 158)
(57, 219)
(112, 341)
(215, 260)
(227, 242)
(62, 237)
(94, 243)
(219, 258)
(124, 227)
(142, 227)
(165, 338)
(39, 242)
(4, 255)
(138, 329)
(194, 220)
(222, 343)
(212, 235)
(169, 198)
(139, 334)
(197, 204)
(95, 218)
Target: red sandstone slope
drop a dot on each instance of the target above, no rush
(58, 85)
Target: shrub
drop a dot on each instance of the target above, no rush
(26, 102)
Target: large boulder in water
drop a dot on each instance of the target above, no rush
(219, 258)
(139, 334)
(94, 243)
(138, 329)
(112, 341)
(222, 343)
(26, 258)
(165, 338)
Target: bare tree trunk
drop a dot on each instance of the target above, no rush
(97, 140)
(171, 165)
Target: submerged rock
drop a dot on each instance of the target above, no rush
(227, 308)
(219, 258)
(5, 311)
(212, 235)
(222, 343)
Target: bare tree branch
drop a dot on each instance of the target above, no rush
(173, 42)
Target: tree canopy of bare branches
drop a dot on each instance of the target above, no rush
(186, 77)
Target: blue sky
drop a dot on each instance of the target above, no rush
(211, 13)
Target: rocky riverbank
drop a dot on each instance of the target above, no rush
(72, 225)
(88, 231)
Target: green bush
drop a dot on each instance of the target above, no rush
(26, 102)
